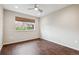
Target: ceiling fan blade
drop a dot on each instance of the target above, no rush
(30, 8)
(40, 10)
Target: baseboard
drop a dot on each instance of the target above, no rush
(61, 45)
(21, 41)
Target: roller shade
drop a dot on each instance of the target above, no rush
(24, 19)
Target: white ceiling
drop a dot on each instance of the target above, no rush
(23, 8)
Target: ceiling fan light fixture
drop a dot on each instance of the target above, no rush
(36, 9)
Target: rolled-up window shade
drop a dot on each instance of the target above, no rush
(25, 19)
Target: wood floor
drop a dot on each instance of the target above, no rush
(37, 47)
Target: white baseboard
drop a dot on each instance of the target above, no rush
(12, 42)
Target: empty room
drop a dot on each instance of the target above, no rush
(39, 29)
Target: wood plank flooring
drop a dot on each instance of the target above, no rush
(37, 47)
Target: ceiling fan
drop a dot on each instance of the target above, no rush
(35, 7)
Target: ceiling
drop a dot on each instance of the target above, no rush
(23, 8)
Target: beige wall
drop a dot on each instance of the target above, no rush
(10, 33)
(1, 26)
(62, 27)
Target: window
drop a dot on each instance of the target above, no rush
(23, 24)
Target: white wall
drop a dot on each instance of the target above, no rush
(10, 33)
(62, 27)
(1, 26)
